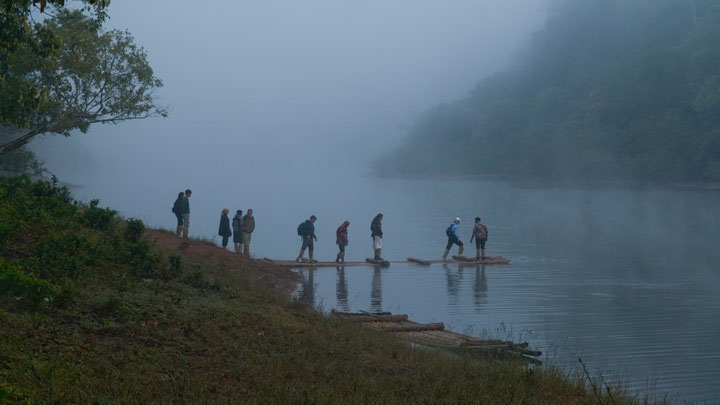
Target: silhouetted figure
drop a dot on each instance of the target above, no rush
(177, 210)
(341, 238)
(306, 231)
(224, 229)
(186, 212)
(453, 238)
(237, 231)
(376, 234)
(248, 227)
(480, 234)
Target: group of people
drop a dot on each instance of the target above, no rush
(243, 227)
(241, 232)
(306, 231)
(479, 233)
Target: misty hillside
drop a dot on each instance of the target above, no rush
(607, 90)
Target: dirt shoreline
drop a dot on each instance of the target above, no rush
(274, 278)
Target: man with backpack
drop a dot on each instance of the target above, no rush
(453, 238)
(177, 210)
(480, 233)
(306, 230)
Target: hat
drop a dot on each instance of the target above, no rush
(458, 219)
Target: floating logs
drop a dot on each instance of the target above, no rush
(435, 335)
(419, 261)
(383, 263)
(485, 260)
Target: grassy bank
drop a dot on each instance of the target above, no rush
(98, 309)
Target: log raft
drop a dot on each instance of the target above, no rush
(461, 260)
(435, 335)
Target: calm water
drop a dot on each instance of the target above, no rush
(627, 279)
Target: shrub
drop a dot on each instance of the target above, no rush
(134, 230)
(15, 282)
(98, 218)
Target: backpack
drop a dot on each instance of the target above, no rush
(449, 232)
(301, 229)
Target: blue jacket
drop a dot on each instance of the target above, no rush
(454, 229)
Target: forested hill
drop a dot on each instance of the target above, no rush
(609, 89)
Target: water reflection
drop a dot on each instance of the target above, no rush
(480, 287)
(453, 287)
(306, 292)
(376, 292)
(341, 290)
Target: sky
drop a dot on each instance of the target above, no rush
(275, 85)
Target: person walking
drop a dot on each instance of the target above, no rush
(248, 226)
(186, 212)
(376, 234)
(480, 234)
(224, 230)
(453, 238)
(177, 210)
(237, 231)
(307, 231)
(341, 238)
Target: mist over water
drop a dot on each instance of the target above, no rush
(281, 107)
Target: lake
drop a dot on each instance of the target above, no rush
(625, 278)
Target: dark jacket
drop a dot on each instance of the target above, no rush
(237, 223)
(376, 228)
(224, 226)
(177, 206)
(248, 223)
(309, 229)
(480, 231)
(341, 235)
(185, 206)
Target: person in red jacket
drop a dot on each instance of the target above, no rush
(342, 240)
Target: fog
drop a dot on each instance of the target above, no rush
(257, 87)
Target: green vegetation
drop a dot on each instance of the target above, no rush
(607, 90)
(95, 313)
(66, 73)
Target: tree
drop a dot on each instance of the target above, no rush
(94, 77)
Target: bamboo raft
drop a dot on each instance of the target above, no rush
(489, 260)
(435, 335)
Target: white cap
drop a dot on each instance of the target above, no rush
(458, 219)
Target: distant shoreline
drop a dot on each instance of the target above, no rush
(560, 183)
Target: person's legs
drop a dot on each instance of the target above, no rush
(482, 247)
(302, 249)
(311, 248)
(179, 227)
(462, 247)
(450, 242)
(341, 253)
(186, 224)
(246, 242)
(377, 246)
(224, 242)
(477, 248)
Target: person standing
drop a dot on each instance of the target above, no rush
(248, 226)
(307, 231)
(376, 234)
(453, 238)
(177, 210)
(186, 212)
(480, 233)
(237, 231)
(341, 238)
(224, 230)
